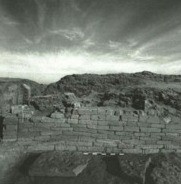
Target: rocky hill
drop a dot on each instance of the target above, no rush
(122, 89)
(86, 83)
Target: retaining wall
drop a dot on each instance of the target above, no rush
(97, 130)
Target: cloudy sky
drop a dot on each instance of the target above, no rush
(44, 40)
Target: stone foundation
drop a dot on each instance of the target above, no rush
(104, 130)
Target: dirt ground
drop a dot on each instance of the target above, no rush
(37, 168)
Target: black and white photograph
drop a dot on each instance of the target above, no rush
(90, 91)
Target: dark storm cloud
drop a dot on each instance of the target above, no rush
(131, 31)
(65, 23)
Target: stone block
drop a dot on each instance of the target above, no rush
(98, 117)
(90, 149)
(133, 142)
(106, 132)
(11, 121)
(84, 117)
(150, 138)
(41, 138)
(173, 127)
(150, 141)
(154, 146)
(178, 150)
(51, 133)
(62, 147)
(175, 147)
(91, 126)
(78, 143)
(164, 142)
(113, 150)
(64, 137)
(12, 137)
(169, 130)
(75, 112)
(125, 134)
(106, 142)
(123, 145)
(124, 117)
(99, 136)
(153, 119)
(131, 129)
(88, 111)
(132, 119)
(66, 129)
(101, 111)
(29, 134)
(116, 123)
(112, 118)
(143, 124)
(142, 118)
(133, 151)
(78, 125)
(11, 127)
(102, 127)
(57, 115)
(25, 125)
(36, 118)
(118, 112)
(167, 150)
(58, 121)
(63, 125)
(151, 151)
(170, 137)
(176, 119)
(141, 134)
(85, 139)
(77, 129)
(40, 147)
(150, 129)
(46, 119)
(110, 112)
(102, 122)
(87, 122)
(72, 121)
(116, 128)
(155, 134)
(157, 125)
(69, 133)
(74, 116)
(114, 137)
(25, 130)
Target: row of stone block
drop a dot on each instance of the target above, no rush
(88, 147)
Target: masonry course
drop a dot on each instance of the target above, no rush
(96, 130)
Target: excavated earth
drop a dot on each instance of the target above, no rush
(76, 168)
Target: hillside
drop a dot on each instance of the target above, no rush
(122, 89)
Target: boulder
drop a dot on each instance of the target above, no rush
(61, 164)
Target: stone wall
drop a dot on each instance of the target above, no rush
(98, 130)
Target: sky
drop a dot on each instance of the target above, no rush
(44, 40)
